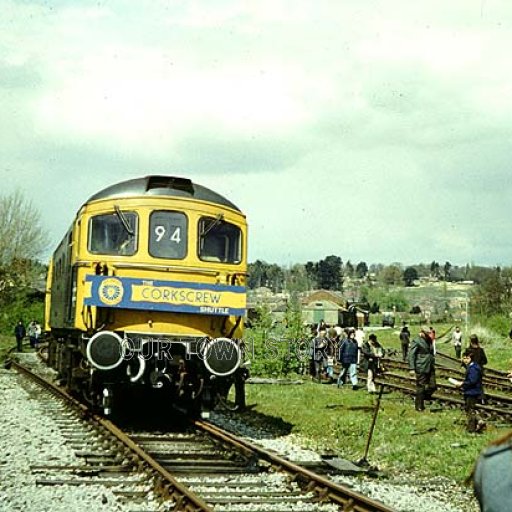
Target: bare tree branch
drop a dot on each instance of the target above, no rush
(21, 233)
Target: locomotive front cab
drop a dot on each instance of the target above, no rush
(159, 295)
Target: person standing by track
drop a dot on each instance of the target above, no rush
(319, 355)
(372, 352)
(19, 333)
(405, 339)
(472, 388)
(422, 365)
(432, 335)
(348, 356)
(32, 334)
(330, 350)
(457, 341)
(479, 353)
(38, 332)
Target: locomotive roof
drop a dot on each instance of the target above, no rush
(162, 186)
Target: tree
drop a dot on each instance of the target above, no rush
(296, 278)
(326, 273)
(494, 295)
(479, 274)
(22, 240)
(376, 268)
(361, 269)
(390, 275)
(434, 269)
(275, 278)
(311, 274)
(257, 274)
(293, 316)
(21, 234)
(265, 274)
(447, 270)
(329, 275)
(410, 275)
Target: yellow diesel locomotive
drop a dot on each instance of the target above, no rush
(146, 291)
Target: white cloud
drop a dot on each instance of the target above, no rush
(137, 96)
(340, 127)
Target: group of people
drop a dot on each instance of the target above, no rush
(352, 351)
(405, 340)
(349, 348)
(33, 331)
(479, 355)
(421, 359)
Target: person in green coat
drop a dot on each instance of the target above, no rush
(422, 366)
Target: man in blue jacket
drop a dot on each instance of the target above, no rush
(348, 358)
(472, 388)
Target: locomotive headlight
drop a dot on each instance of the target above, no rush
(221, 356)
(105, 350)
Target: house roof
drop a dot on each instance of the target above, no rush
(325, 295)
(326, 305)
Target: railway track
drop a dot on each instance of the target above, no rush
(447, 366)
(202, 469)
(497, 402)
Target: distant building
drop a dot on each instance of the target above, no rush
(323, 305)
(332, 308)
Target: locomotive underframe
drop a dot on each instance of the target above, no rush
(172, 367)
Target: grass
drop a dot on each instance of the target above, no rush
(329, 419)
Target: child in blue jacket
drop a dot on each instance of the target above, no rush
(472, 388)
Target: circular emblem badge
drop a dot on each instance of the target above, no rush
(111, 291)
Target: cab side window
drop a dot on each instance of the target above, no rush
(219, 241)
(168, 235)
(111, 235)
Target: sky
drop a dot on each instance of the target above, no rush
(377, 131)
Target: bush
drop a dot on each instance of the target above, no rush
(500, 324)
(277, 349)
(274, 355)
(23, 309)
(492, 330)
